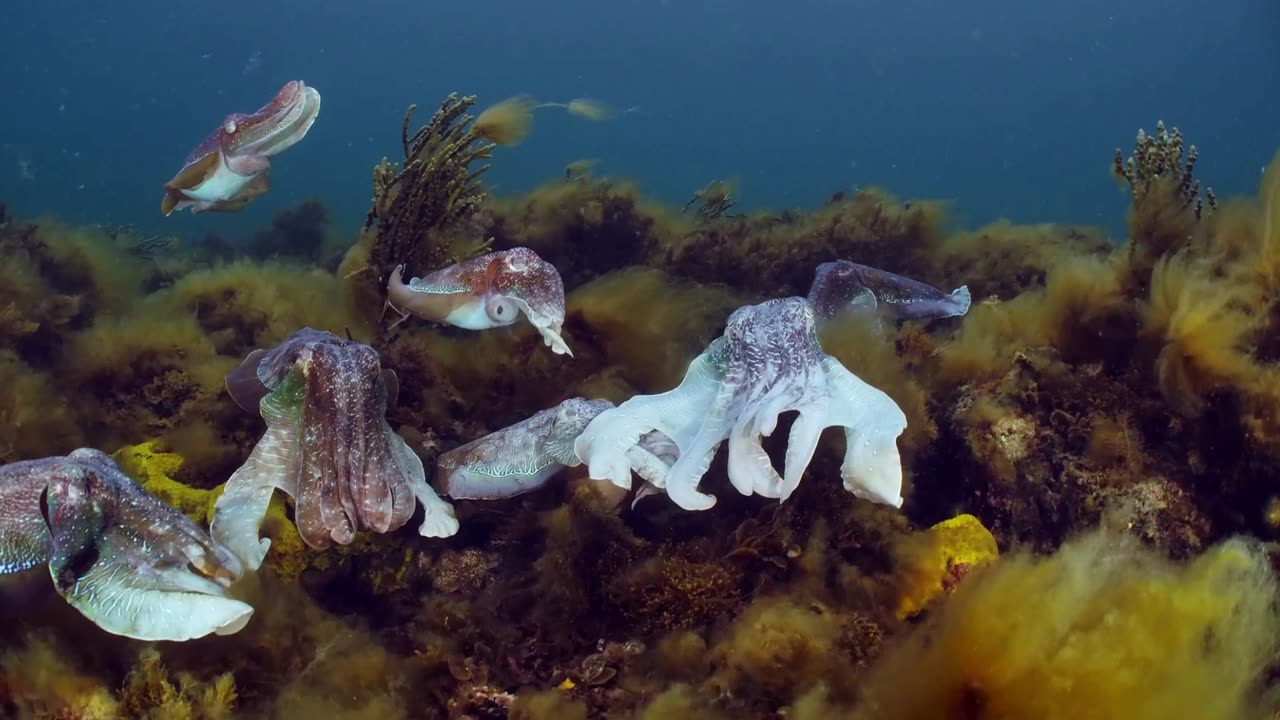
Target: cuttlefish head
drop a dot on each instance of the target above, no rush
(485, 292)
(232, 166)
(533, 285)
(130, 563)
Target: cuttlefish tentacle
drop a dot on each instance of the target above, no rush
(486, 292)
(232, 166)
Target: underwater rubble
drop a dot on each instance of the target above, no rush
(1053, 493)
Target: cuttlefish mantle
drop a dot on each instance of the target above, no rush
(233, 165)
(519, 458)
(486, 292)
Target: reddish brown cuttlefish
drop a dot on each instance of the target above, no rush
(486, 292)
(233, 165)
(328, 445)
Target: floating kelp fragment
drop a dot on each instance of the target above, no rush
(506, 122)
(593, 110)
(328, 445)
(128, 562)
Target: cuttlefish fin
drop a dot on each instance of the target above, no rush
(243, 384)
(392, 384)
(419, 300)
(189, 177)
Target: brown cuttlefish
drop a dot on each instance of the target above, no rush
(327, 445)
(233, 165)
(485, 292)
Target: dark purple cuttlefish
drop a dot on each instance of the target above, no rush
(842, 286)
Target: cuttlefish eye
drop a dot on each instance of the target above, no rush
(517, 263)
(501, 310)
(230, 126)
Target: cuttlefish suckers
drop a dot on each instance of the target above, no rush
(130, 563)
(843, 286)
(233, 165)
(485, 292)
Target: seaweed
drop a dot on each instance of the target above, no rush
(434, 188)
(1132, 386)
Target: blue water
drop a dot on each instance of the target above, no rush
(1009, 108)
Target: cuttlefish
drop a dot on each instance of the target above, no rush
(485, 292)
(233, 165)
(328, 445)
(128, 562)
(843, 286)
(523, 457)
(768, 362)
(519, 458)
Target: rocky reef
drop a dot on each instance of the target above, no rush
(1090, 461)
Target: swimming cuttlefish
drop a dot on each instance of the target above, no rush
(843, 286)
(486, 292)
(233, 165)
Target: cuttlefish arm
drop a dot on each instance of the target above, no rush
(232, 166)
(486, 292)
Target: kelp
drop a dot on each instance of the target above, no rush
(1085, 376)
